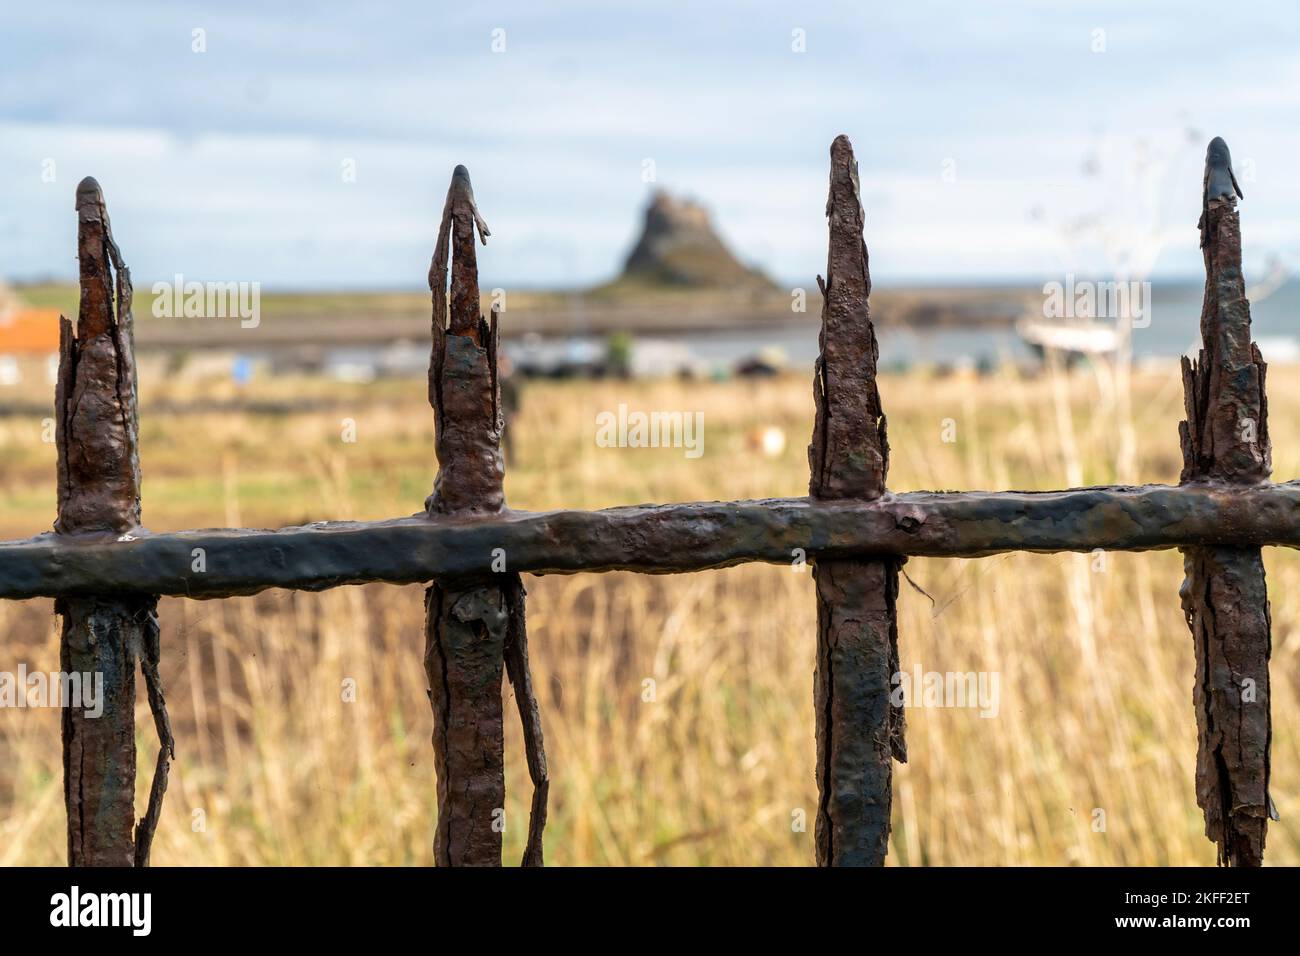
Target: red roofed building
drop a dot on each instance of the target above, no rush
(29, 345)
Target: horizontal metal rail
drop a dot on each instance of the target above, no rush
(659, 539)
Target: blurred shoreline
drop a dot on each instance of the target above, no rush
(364, 336)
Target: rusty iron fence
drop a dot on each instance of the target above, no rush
(106, 573)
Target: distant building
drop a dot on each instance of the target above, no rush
(29, 343)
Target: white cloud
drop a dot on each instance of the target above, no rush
(227, 164)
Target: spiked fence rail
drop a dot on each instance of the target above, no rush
(106, 572)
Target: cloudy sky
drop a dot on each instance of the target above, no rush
(996, 141)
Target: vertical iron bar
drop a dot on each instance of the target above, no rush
(858, 732)
(474, 626)
(99, 493)
(1225, 442)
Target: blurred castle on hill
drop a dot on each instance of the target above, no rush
(678, 247)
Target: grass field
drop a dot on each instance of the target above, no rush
(1093, 656)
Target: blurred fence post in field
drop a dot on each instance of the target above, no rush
(474, 625)
(858, 733)
(1225, 443)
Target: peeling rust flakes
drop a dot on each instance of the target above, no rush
(521, 678)
(463, 659)
(98, 637)
(150, 660)
(96, 430)
(1225, 436)
(1227, 609)
(1225, 444)
(859, 733)
(849, 454)
(96, 423)
(463, 386)
(474, 628)
(859, 730)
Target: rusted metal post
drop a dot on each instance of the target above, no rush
(99, 496)
(1225, 442)
(474, 624)
(858, 732)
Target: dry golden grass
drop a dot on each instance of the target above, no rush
(1094, 658)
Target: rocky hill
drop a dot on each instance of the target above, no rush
(678, 248)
